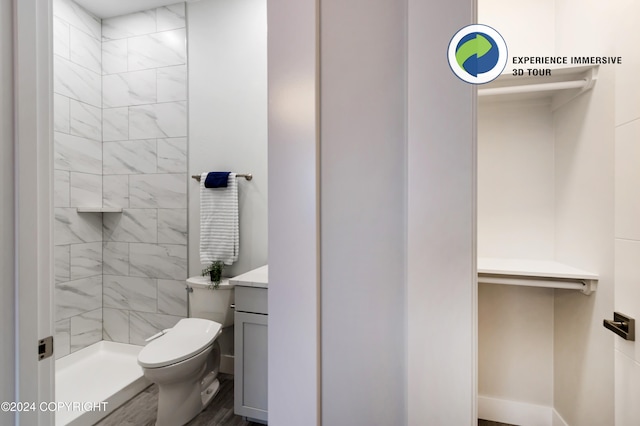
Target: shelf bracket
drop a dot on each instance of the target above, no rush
(589, 287)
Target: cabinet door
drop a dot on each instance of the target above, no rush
(250, 399)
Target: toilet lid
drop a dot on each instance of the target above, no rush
(186, 339)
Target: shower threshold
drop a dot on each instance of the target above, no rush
(105, 372)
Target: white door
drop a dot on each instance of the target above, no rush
(627, 268)
(627, 272)
(34, 212)
(627, 213)
(627, 301)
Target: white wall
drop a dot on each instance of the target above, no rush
(7, 225)
(227, 47)
(513, 20)
(515, 343)
(363, 211)
(441, 278)
(516, 180)
(516, 220)
(583, 359)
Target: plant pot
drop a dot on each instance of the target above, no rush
(216, 278)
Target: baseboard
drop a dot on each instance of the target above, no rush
(227, 364)
(517, 413)
(557, 419)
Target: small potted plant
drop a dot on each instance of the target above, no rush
(215, 272)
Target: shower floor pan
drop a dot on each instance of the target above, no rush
(103, 372)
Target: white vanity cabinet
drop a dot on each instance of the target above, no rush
(251, 321)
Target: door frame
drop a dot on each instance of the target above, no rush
(34, 204)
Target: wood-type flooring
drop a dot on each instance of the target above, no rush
(141, 409)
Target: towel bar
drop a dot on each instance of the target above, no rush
(247, 176)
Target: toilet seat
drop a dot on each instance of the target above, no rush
(186, 339)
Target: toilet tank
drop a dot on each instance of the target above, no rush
(212, 304)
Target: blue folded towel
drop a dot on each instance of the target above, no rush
(216, 180)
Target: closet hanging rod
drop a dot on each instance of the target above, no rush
(247, 176)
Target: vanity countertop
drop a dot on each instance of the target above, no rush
(258, 277)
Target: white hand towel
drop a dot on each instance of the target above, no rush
(219, 226)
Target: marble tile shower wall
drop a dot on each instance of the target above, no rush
(144, 165)
(120, 140)
(78, 176)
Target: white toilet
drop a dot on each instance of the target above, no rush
(184, 360)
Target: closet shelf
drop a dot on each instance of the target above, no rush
(564, 84)
(535, 273)
(99, 209)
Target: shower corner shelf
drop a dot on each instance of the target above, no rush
(564, 84)
(535, 273)
(99, 209)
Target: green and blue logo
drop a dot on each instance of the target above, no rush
(477, 54)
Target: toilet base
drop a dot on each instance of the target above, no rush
(177, 405)
(183, 388)
(189, 408)
(209, 393)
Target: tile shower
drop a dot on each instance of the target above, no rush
(120, 135)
